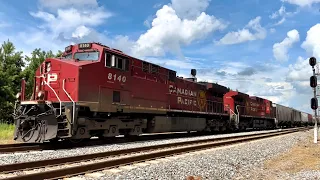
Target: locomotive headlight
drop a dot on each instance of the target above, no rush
(18, 96)
(40, 95)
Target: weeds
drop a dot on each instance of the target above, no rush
(6, 131)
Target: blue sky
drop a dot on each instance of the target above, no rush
(258, 47)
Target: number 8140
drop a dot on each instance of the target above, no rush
(115, 77)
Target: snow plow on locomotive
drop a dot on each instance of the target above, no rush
(94, 90)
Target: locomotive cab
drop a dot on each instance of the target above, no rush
(51, 110)
(89, 81)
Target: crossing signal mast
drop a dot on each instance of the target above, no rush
(314, 100)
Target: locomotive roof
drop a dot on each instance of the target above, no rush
(119, 52)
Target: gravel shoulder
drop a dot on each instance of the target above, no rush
(302, 161)
(50, 154)
(241, 161)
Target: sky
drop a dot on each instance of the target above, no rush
(257, 47)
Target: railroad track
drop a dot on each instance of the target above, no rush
(21, 147)
(24, 147)
(7, 148)
(77, 165)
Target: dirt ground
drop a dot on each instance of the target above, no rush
(303, 157)
(7, 141)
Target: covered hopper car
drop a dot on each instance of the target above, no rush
(289, 117)
(94, 90)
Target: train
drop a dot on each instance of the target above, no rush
(93, 90)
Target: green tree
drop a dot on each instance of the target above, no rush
(59, 53)
(11, 64)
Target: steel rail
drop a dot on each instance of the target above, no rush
(20, 147)
(76, 170)
(8, 148)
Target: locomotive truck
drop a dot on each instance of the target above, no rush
(95, 90)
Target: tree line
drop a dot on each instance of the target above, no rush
(14, 67)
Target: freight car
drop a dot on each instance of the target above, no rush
(289, 117)
(95, 90)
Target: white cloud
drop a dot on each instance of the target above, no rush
(32, 38)
(298, 76)
(122, 43)
(284, 85)
(80, 32)
(56, 4)
(278, 13)
(177, 64)
(244, 34)
(282, 14)
(281, 21)
(280, 50)
(312, 42)
(174, 25)
(272, 30)
(4, 24)
(190, 9)
(147, 21)
(267, 80)
(302, 3)
(158, 5)
(169, 32)
(67, 20)
(300, 71)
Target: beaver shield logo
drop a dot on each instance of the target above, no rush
(202, 100)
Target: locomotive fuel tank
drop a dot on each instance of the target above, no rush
(176, 124)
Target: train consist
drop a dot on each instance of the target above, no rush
(94, 90)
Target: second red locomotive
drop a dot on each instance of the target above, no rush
(94, 90)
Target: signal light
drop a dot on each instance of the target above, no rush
(314, 103)
(312, 61)
(313, 81)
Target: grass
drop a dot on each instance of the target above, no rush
(6, 133)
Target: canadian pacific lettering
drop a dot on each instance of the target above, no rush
(185, 101)
(189, 101)
(181, 91)
(254, 106)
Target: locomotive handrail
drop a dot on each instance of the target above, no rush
(55, 94)
(73, 103)
(238, 113)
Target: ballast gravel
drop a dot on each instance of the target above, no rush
(232, 162)
(50, 154)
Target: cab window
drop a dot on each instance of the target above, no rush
(87, 56)
(68, 56)
(115, 61)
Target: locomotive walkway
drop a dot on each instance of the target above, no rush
(100, 161)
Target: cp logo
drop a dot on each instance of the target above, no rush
(202, 100)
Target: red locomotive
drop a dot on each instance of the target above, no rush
(94, 90)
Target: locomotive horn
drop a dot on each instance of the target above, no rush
(193, 72)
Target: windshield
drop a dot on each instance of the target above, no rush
(68, 56)
(86, 56)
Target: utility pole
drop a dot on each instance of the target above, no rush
(314, 100)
